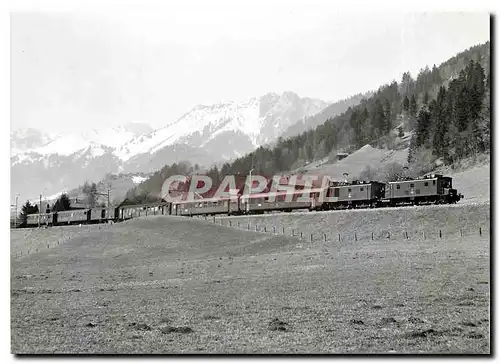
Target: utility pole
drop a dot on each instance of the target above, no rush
(105, 194)
(249, 190)
(39, 210)
(15, 217)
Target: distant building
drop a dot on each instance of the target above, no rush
(341, 156)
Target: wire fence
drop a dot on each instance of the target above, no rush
(306, 233)
(325, 234)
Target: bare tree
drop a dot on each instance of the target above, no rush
(90, 192)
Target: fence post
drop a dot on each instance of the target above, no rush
(293, 232)
(301, 234)
(248, 226)
(274, 229)
(355, 237)
(324, 237)
(461, 234)
(440, 234)
(230, 223)
(265, 228)
(372, 235)
(406, 234)
(311, 238)
(283, 231)
(339, 236)
(480, 232)
(389, 235)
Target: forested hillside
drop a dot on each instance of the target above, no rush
(333, 110)
(446, 107)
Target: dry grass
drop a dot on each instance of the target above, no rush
(178, 285)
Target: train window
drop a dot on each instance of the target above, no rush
(336, 192)
(412, 185)
(434, 182)
(348, 190)
(398, 187)
(426, 183)
(361, 189)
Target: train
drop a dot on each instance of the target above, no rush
(430, 189)
(70, 217)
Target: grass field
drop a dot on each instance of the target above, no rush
(178, 285)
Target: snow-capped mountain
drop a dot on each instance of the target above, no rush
(255, 122)
(26, 139)
(205, 134)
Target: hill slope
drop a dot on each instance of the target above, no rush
(206, 288)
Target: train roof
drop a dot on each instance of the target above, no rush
(212, 199)
(282, 193)
(426, 177)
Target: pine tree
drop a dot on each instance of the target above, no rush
(423, 124)
(26, 210)
(413, 112)
(387, 117)
(378, 119)
(62, 203)
(406, 104)
(440, 119)
(426, 98)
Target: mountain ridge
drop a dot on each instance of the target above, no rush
(205, 134)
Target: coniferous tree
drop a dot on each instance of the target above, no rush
(387, 117)
(426, 98)
(423, 124)
(440, 119)
(406, 103)
(62, 203)
(26, 210)
(413, 112)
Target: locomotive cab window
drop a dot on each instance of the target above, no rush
(412, 185)
(426, 184)
(361, 189)
(398, 187)
(348, 190)
(434, 182)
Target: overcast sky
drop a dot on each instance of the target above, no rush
(78, 71)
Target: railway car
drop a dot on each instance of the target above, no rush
(208, 206)
(72, 217)
(353, 195)
(97, 215)
(45, 219)
(274, 201)
(428, 189)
